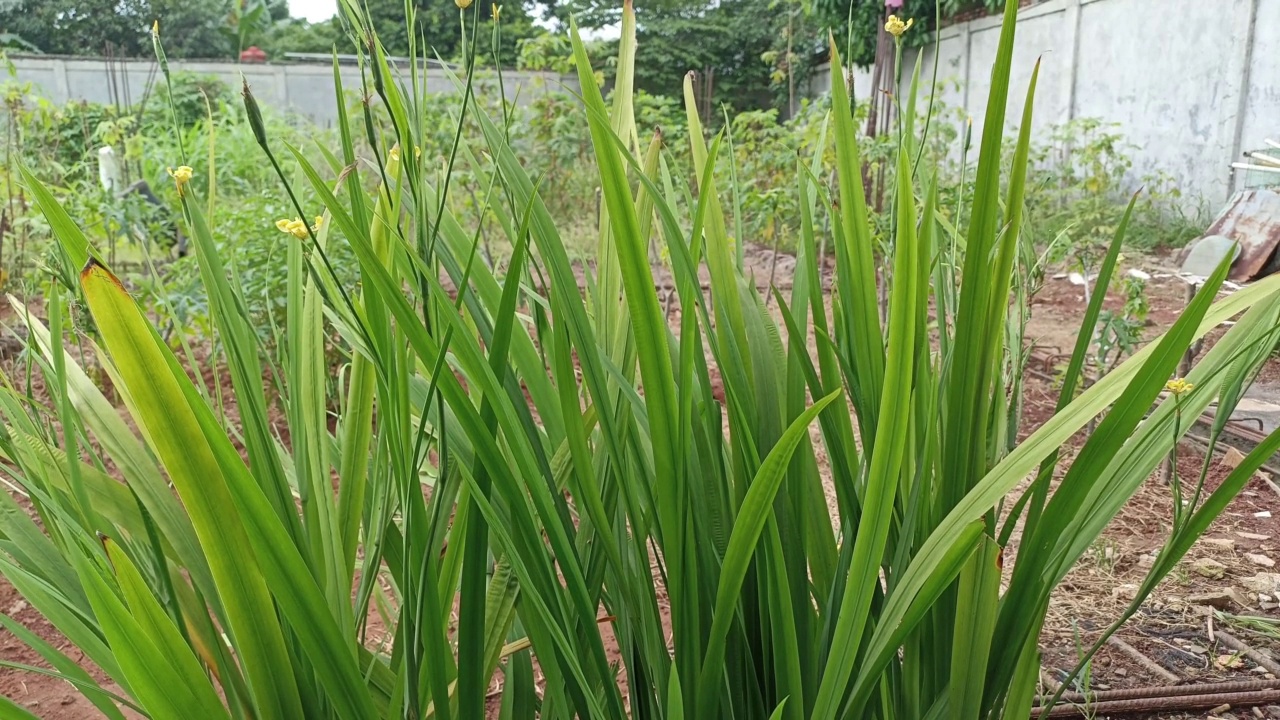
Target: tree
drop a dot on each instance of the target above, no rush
(596, 14)
(298, 35)
(857, 23)
(251, 21)
(736, 45)
(726, 43)
(437, 24)
(90, 27)
(751, 51)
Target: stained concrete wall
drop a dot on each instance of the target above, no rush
(303, 89)
(1193, 83)
(1261, 116)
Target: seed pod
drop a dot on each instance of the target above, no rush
(255, 116)
(158, 48)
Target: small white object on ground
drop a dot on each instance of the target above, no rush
(1221, 599)
(1124, 592)
(1208, 567)
(109, 169)
(1267, 583)
(1261, 560)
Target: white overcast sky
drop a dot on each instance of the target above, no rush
(313, 10)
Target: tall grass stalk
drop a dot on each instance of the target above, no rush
(509, 468)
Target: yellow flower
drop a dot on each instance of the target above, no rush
(394, 152)
(1179, 386)
(462, 4)
(896, 27)
(496, 10)
(181, 176)
(319, 222)
(294, 227)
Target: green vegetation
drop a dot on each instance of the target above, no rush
(223, 28)
(421, 430)
(100, 27)
(1073, 211)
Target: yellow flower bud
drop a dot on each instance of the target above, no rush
(895, 26)
(294, 227)
(496, 10)
(181, 176)
(1179, 386)
(462, 4)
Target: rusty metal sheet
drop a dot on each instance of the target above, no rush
(1251, 218)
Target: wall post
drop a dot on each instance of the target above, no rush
(62, 86)
(1236, 84)
(1071, 24)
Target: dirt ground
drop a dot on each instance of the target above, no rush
(1173, 637)
(1173, 632)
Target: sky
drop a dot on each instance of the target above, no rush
(321, 10)
(313, 10)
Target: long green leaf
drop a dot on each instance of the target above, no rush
(857, 274)
(163, 689)
(244, 538)
(892, 438)
(174, 433)
(755, 510)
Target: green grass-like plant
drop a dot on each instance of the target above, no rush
(518, 469)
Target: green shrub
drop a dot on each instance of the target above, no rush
(1085, 171)
(191, 96)
(61, 143)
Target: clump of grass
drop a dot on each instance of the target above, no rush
(557, 465)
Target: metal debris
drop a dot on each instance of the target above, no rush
(1241, 693)
(1251, 219)
(1203, 255)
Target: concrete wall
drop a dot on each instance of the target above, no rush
(1193, 83)
(304, 89)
